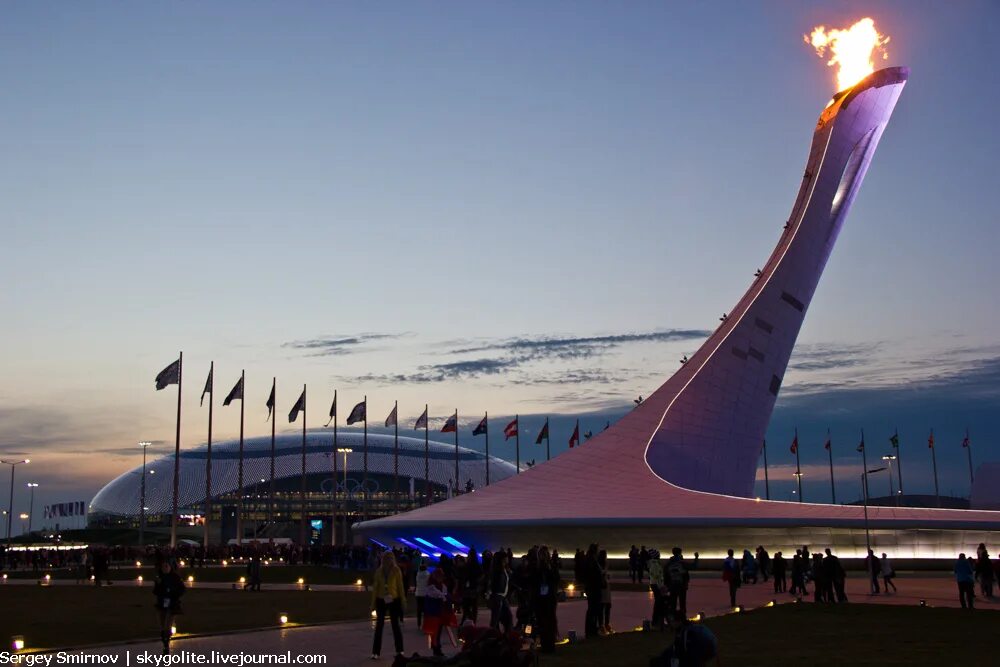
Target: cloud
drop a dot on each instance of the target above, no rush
(472, 368)
(547, 347)
(339, 345)
(826, 356)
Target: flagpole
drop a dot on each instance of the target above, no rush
(427, 464)
(899, 462)
(239, 483)
(486, 420)
(395, 459)
(364, 483)
(517, 442)
(968, 450)
(937, 495)
(302, 483)
(456, 453)
(177, 456)
(864, 463)
(274, 415)
(548, 439)
(798, 468)
(208, 458)
(767, 483)
(833, 488)
(333, 514)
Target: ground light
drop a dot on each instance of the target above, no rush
(17, 643)
(283, 618)
(190, 579)
(771, 603)
(301, 581)
(138, 580)
(373, 613)
(358, 582)
(738, 609)
(571, 588)
(173, 630)
(923, 603)
(243, 580)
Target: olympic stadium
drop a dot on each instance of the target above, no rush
(119, 502)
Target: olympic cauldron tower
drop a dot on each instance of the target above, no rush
(679, 469)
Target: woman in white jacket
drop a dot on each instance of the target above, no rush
(888, 574)
(420, 591)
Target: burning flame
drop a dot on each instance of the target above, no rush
(850, 50)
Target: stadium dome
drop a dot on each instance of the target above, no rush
(118, 503)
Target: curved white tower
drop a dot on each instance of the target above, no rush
(680, 466)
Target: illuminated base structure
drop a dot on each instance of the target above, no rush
(679, 469)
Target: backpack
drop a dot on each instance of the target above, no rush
(675, 574)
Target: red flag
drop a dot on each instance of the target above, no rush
(510, 430)
(930, 441)
(965, 440)
(827, 445)
(795, 445)
(451, 425)
(574, 439)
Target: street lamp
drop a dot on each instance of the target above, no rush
(345, 451)
(864, 491)
(10, 507)
(142, 495)
(889, 458)
(31, 506)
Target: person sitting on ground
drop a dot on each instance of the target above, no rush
(694, 645)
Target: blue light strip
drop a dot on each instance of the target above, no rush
(455, 543)
(428, 544)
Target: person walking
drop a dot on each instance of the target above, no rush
(888, 574)
(604, 621)
(168, 591)
(798, 574)
(763, 562)
(434, 609)
(420, 591)
(778, 565)
(678, 579)
(499, 588)
(874, 570)
(470, 587)
(984, 572)
(820, 581)
(546, 586)
(731, 575)
(835, 576)
(965, 578)
(633, 563)
(657, 587)
(593, 582)
(388, 596)
(749, 568)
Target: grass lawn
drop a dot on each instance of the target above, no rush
(64, 616)
(817, 635)
(272, 574)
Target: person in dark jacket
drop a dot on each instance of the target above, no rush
(546, 589)
(778, 565)
(965, 578)
(168, 591)
(593, 582)
(835, 576)
(470, 587)
(499, 589)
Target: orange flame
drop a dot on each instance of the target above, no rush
(851, 50)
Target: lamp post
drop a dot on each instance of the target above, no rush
(10, 506)
(31, 505)
(864, 492)
(889, 458)
(345, 451)
(142, 494)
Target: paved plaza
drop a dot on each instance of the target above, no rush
(348, 644)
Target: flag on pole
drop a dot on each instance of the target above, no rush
(298, 407)
(208, 386)
(574, 439)
(510, 430)
(391, 419)
(894, 440)
(543, 434)
(828, 444)
(965, 441)
(169, 375)
(421, 421)
(236, 393)
(270, 403)
(795, 444)
(450, 425)
(930, 441)
(481, 428)
(333, 408)
(861, 446)
(359, 413)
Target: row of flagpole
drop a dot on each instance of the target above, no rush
(893, 441)
(172, 374)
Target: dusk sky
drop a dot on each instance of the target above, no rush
(515, 207)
